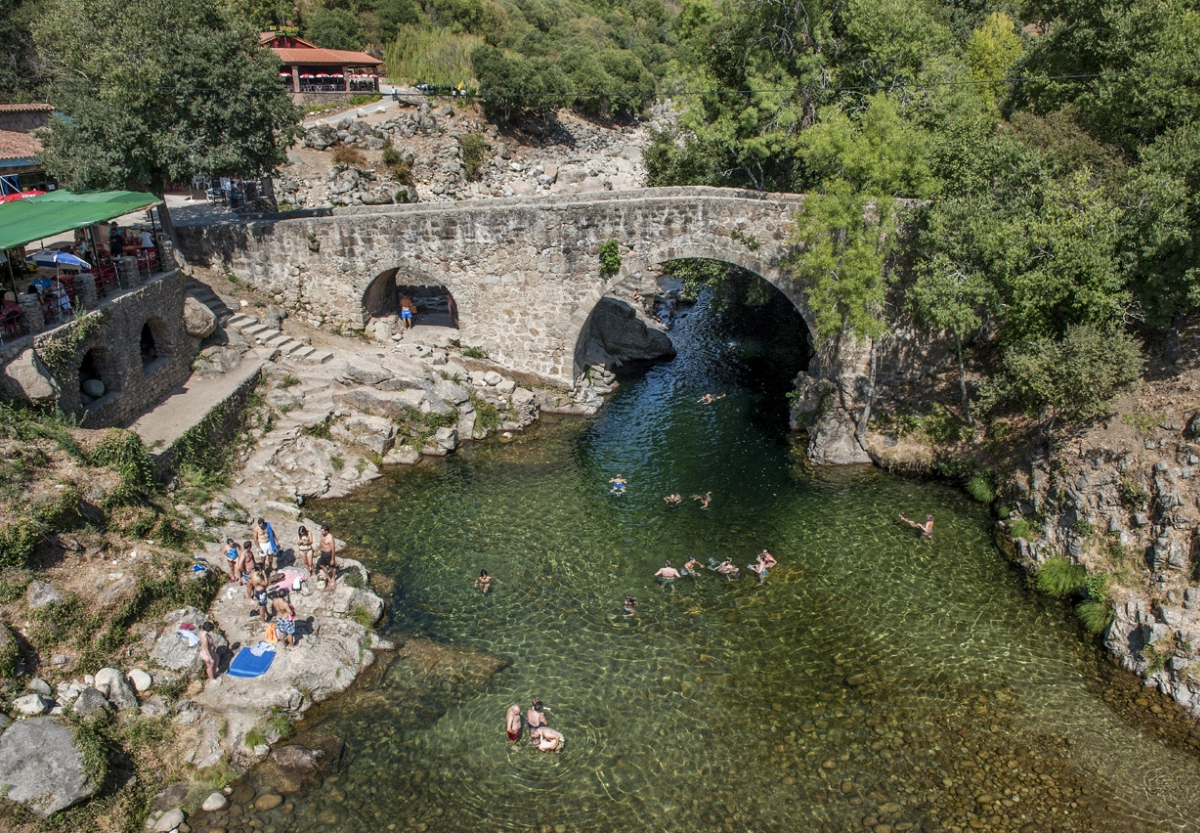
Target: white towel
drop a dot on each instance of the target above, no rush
(191, 637)
(261, 648)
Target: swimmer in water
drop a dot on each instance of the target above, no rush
(727, 569)
(618, 485)
(484, 582)
(926, 528)
(512, 723)
(708, 399)
(667, 574)
(630, 606)
(673, 499)
(704, 499)
(689, 569)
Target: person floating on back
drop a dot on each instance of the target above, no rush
(618, 485)
(673, 499)
(926, 528)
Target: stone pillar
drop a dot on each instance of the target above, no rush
(31, 312)
(166, 255)
(85, 291)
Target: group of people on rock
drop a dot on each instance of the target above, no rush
(540, 734)
(252, 564)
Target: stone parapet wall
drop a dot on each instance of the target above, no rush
(113, 336)
(524, 272)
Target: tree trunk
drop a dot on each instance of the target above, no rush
(1171, 348)
(860, 431)
(962, 383)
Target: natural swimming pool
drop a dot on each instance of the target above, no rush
(876, 681)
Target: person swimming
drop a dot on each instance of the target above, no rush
(690, 567)
(630, 606)
(708, 399)
(512, 723)
(484, 582)
(727, 569)
(926, 528)
(705, 499)
(667, 575)
(618, 485)
(673, 499)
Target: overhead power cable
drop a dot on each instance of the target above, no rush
(895, 86)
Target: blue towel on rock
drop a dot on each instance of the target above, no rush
(246, 664)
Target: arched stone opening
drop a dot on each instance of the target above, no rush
(652, 276)
(385, 300)
(153, 344)
(97, 376)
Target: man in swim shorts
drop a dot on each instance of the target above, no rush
(285, 621)
(406, 311)
(327, 558)
(689, 569)
(256, 588)
(667, 575)
(618, 485)
(264, 539)
(512, 723)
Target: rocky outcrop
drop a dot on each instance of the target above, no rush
(617, 334)
(41, 766)
(832, 442)
(1126, 505)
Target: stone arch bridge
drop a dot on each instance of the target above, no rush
(524, 272)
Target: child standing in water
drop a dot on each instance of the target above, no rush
(484, 582)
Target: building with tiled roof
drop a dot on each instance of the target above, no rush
(19, 168)
(313, 73)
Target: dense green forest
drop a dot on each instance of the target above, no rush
(1053, 147)
(1046, 152)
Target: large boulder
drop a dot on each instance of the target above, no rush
(390, 404)
(40, 594)
(172, 651)
(112, 684)
(26, 377)
(32, 704)
(90, 703)
(616, 335)
(41, 767)
(320, 137)
(198, 320)
(833, 443)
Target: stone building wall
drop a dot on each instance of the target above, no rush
(114, 352)
(524, 272)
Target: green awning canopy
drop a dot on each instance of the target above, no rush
(35, 218)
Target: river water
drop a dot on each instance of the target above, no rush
(875, 681)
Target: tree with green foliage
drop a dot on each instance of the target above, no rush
(334, 29)
(154, 91)
(514, 88)
(21, 71)
(1074, 378)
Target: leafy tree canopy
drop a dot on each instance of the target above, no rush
(154, 91)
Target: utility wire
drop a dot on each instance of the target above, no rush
(899, 85)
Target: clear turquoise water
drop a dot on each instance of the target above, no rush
(874, 679)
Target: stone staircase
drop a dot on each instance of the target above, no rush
(289, 348)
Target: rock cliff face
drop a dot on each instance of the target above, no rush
(1123, 500)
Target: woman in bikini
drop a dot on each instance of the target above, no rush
(484, 582)
(304, 546)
